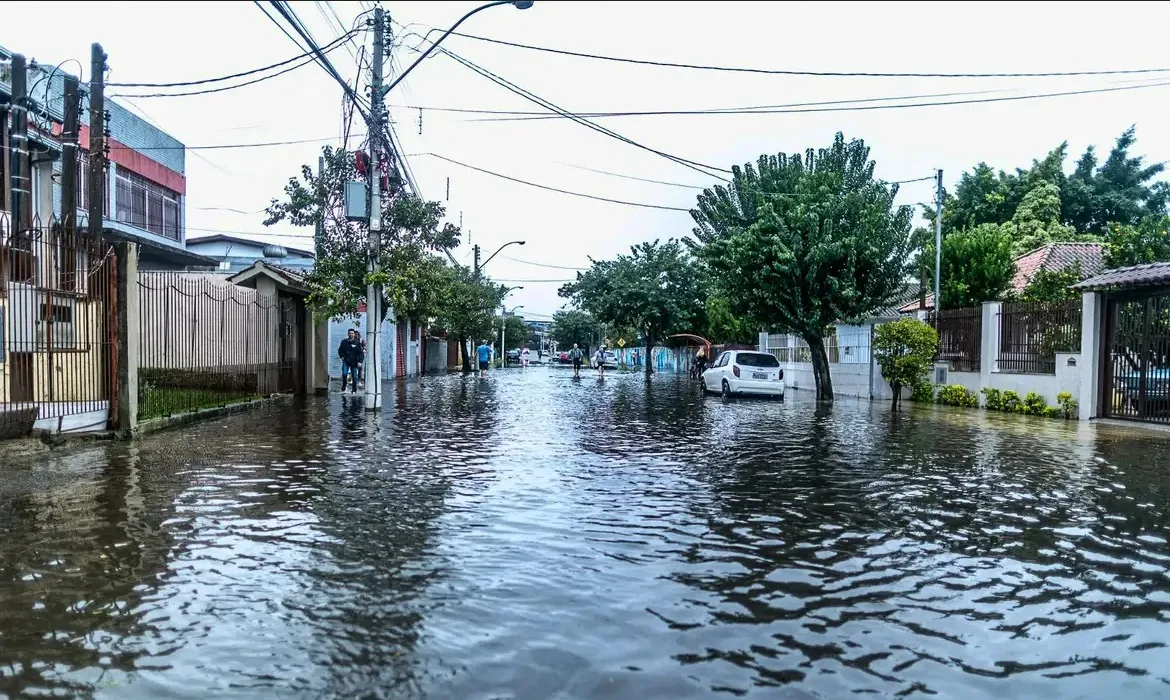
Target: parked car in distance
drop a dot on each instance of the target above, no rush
(513, 356)
(610, 359)
(741, 372)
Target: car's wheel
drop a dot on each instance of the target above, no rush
(703, 384)
(726, 389)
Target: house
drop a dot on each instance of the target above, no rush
(146, 182)
(236, 254)
(1052, 257)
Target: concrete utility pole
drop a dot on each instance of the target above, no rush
(21, 184)
(373, 293)
(97, 139)
(476, 268)
(938, 205)
(70, 135)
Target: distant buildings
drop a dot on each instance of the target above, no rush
(233, 254)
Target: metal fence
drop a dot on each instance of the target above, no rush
(57, 329)
(840, 345)
(960, 337)
(1136, 383)
(206, 343)
(1030, 335)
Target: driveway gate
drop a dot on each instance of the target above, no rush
(1136, 378)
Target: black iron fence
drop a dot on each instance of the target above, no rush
(1136, 384)
(58, 349)
(206, 343)
(960, 337)
(1030, 335)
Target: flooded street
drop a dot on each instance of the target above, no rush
(534, 537)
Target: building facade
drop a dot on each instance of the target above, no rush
(233, 254)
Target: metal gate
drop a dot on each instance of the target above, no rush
(58, 325)
(1136, 380)
(292, 356)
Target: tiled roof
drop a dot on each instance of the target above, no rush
(1052, 257)
(1149, 275)
(908, 297)
(293, 274)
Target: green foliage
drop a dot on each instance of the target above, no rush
(1147, 242)
(654, 289)
(515, 332)
(1066, 405)
(797, 243)
(1047, 285)
(977, 266)
(412, 231)
(1036, 221)
(904, 349)
(573, 326)
(1034, 405)
(1054, 412)
(724, 326)
(468, 309)
(958, 395)
(992, 399)
(1011, 403)
(922, 392)
(1122, 190)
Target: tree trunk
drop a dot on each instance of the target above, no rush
(897, 389)
(649, 348)
(463, 353)
(820, 363)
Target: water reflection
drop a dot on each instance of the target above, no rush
(532, 535)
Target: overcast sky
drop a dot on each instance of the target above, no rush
(164, 42)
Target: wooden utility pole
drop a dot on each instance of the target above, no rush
(69, 136)
(97, 139)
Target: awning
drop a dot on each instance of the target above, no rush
(1148, 275)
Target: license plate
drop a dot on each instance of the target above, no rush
(759, 375)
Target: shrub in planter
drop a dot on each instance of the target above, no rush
(1010, 402)
(1067, 405)
(958, 395)
(1054, 412)
(993, 399)
(923, 392)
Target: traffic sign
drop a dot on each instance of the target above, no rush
(621, 342)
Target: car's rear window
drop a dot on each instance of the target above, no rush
(756, 359)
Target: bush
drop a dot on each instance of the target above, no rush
(1011, 402)
(1034, 405)
(1066, 405)
(958, 395)
(993, 399)
(922, 392)
(1054, 412)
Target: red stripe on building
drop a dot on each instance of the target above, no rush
(137, 163)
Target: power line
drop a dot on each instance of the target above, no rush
(639, 179)
(220, 79)
(554, 189)
(533, 282)
(821, 74)
(261, 79)
(536, 264)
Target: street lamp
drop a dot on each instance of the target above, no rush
(503, 329)
(479, 266)
(518, 4)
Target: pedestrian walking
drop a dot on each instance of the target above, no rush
(599, 360)
(524, 356)
(576, 355)
(484, 353)
(352, 355)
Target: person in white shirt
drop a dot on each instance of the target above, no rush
(524, 356)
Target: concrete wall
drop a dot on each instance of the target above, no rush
(389, 348)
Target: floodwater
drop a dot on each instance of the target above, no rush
(534, 537)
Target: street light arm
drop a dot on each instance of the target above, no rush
(485, 262)
(434, 45)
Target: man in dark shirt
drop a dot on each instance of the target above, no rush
(352, 355)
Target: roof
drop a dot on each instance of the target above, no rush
(907, 297)
(221, 238)
(286, 278)
(1052, 257)
(1148, 275)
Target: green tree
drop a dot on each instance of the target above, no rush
(904, 350)
(724, 326)
(1053, 285)
(798, 243)
(516, 332)
(573, 326)
(1147, 242)
(469, 308)
(1036, 221)
(977, 266)
(654, 289)
(412, 230)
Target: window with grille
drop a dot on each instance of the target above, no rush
(146, 205)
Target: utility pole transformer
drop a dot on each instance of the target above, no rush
(374, 128)
(97, 139)
(938, 206)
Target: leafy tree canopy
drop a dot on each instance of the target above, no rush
(904, 350)
(1049, 285)
(655, 289)
(977, 266)
(515, 330)
(573, 326)
(797, 243)
(1147, 242)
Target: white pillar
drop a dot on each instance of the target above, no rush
(989, 342)
(764, 341)
(1092, 363)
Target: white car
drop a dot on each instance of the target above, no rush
(745, 372)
